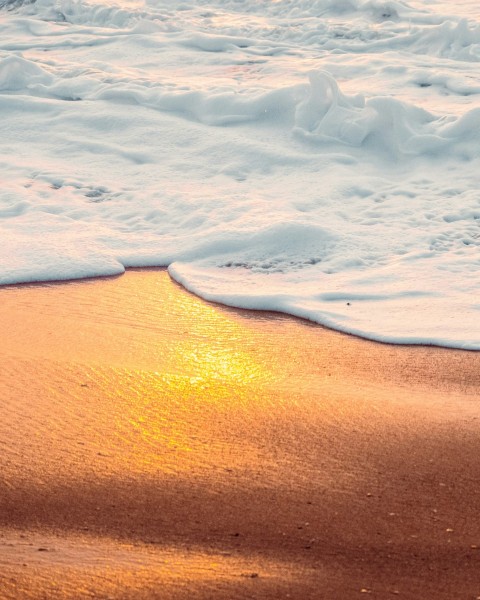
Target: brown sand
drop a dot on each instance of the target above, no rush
(156, 446)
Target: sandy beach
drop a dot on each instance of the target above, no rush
(154, 445)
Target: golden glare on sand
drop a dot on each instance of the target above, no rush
(157, 446)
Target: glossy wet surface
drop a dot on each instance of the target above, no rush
(154, 445)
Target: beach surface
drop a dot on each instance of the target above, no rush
(154, 445)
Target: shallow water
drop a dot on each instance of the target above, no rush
(317, 158)
(157, 446)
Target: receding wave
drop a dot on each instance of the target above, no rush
(319, 158)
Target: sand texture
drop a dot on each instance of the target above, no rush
(157, 446)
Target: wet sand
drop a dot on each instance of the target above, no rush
(157, 446)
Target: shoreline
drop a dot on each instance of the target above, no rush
(155, 445)
(256, 311)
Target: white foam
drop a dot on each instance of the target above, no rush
(319, 158)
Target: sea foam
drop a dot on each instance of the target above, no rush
(319, 158)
